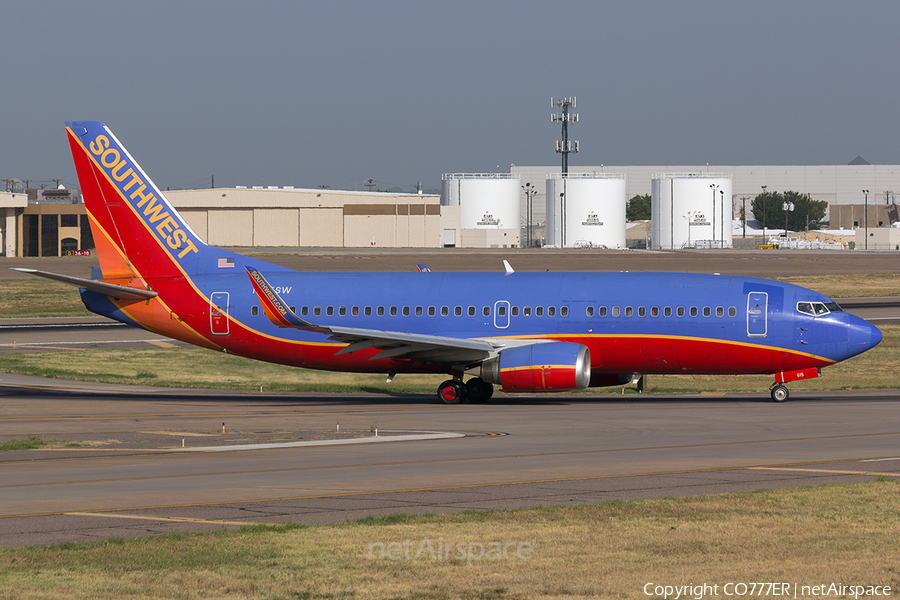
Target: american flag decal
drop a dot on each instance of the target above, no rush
(226, 263)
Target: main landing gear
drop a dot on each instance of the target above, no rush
(779, 392)
(454, 391)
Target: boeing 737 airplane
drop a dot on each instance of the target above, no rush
(526, 332)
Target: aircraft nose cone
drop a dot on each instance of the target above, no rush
(863, 335)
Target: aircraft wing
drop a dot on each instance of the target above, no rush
(108, 289)
(393, 344)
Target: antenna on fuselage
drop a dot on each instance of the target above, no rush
(509, 269)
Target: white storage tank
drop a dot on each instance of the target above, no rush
(691, 210)
(586, 210)
(485, 200)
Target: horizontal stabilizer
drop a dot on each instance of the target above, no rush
(107, 289)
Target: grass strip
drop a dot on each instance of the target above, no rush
(200, 368)
(808, 536)
(29, 443)
(40, 298)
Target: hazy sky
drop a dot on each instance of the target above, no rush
(333, 93)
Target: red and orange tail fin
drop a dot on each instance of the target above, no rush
(136, 230)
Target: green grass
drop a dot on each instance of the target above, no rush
(29, 443)
(835, 533)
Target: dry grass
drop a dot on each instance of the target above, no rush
(849, 286)
(39, 298)
(844, 533)
(200, 368)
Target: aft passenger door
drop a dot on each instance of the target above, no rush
(218, 313)
(757, 308)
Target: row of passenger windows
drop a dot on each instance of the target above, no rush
(419, 311)
(527, 311)
(680, 311)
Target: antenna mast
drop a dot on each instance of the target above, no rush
(565, 146)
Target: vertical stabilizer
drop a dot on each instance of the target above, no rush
(137, 232)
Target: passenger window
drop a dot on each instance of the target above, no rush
(515, 311)
(393, 311)
(629, 311)
(667, 311)
(458, 311)
(405, 311)
(526, 311)
(720, 311)
(317, 310)
(654, 311)
(642, 311)
(589, 311)
(304, 310)
(367, 311)
(615, 311)
(419, 311)
(471, 311)
(501, 310)
(693, 311)
(445, 310)
(380, 311)
(254, 310)
(329, 310)
(486, 311)
(354, 311)
(602, 311)
(292, 309)
(539, 311)
(706, 311)
(680, 311)
(342, 311)
(431, 311)
(732, 311)
(551, 311)
(564, 311)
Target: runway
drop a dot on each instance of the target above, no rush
(516, 452)
(142, 460)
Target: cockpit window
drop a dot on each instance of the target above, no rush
(817, 308)
(833, 307)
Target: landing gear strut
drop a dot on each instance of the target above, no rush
(452, 391)
(780, 393)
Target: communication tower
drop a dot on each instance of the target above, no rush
(565, 146)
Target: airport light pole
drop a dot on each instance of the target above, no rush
(530, 191)
(765, 210)
(722, 217)
(689, 216)
(714, 187)
(866, 217)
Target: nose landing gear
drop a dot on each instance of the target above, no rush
(779, 392)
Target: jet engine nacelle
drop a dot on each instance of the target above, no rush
(548, 367)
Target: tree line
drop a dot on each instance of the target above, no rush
(768, 208)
